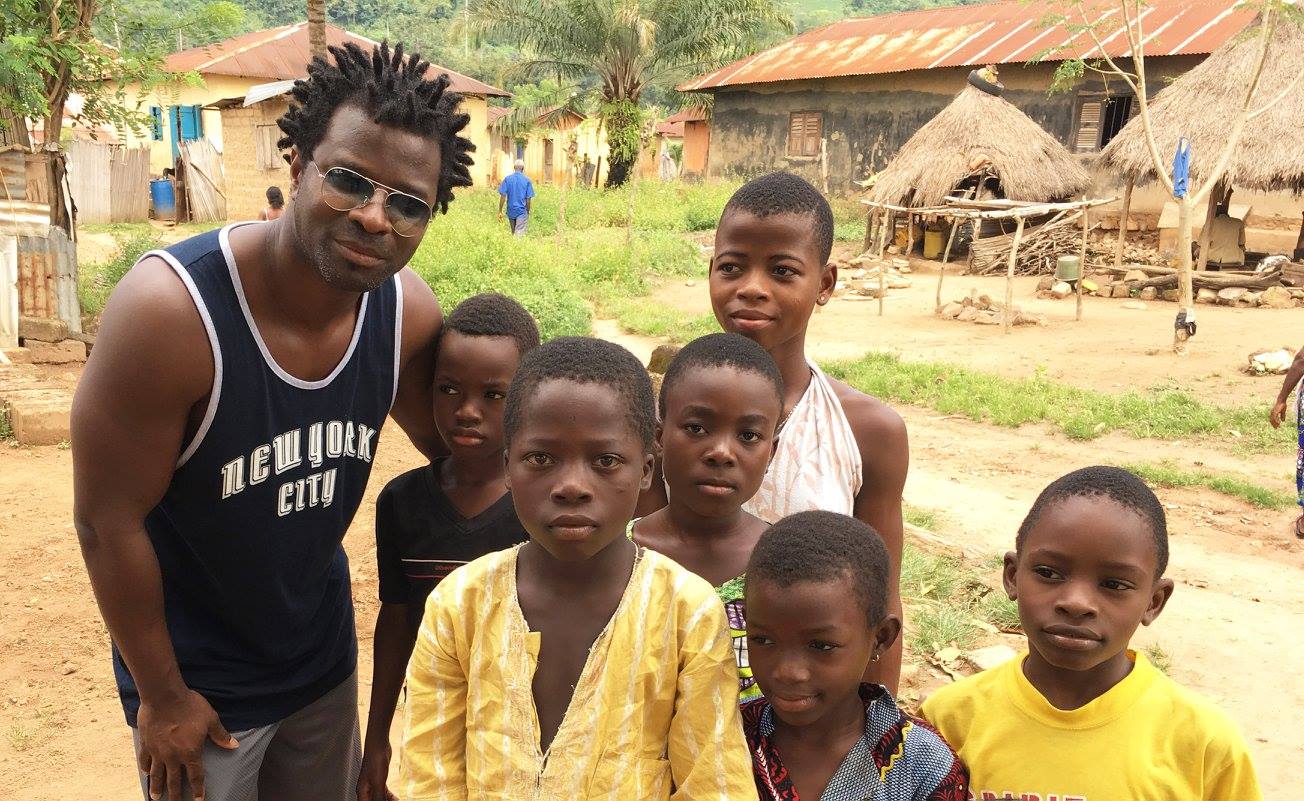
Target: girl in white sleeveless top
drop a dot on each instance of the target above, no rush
(817, 462)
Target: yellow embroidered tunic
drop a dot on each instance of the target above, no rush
(654, 715)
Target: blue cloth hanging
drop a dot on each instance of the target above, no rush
(1181, 167)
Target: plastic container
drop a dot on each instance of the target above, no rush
(934, 243)
(163, 197)
(1068, 268)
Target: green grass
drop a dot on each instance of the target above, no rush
(1079, 413)
(1167, 474)
(948, 600)
(919, 517)
(1158, 657)
(95, 282)
(6, 428)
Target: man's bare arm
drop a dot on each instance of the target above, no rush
(414, 405)
(129, 417)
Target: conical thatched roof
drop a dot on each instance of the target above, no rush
(1201, 105)
(980, 131)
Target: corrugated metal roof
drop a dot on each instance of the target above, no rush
(991, 33)
(283, 53)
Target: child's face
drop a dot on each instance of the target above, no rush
(575, 468)
(767, 276)
(717, 438)
(472, 374)
(1084, 581)
(809, 645)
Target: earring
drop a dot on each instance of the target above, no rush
(875, 659)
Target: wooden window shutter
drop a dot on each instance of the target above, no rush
(1088, 137)
(805, 129)
(266, 153)
(796, 129)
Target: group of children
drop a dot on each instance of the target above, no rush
(728, 645)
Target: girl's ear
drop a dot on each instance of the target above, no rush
(658, 450)
(828, 281)
(885, 636)
(1163, 590)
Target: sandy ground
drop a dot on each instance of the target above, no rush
(1232, 629)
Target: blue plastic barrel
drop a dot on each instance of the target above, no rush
(163, 195)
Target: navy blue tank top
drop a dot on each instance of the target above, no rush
(248, 536)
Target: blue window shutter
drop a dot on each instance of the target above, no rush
(156, 123)
(191, 124)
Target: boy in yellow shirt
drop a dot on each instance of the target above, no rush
(578, 665)
(1080, 717)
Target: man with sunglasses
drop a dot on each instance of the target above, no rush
(225, 428)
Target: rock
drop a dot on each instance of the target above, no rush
(68, 351)
(1134, 304)
(1250, 298)
(1046, 282)
(1135, 275)
(1205, 295)
(1173, 295)
(40, 421)
(951, 310)
(42, 329)
(1122, 291)
(1149, 293)
(1061, 290)
(1297, 294)
(1230, 295)
(17, 355)
(661, 357)
(988, 318)
(967, 315)
(1270, 362)
(1277, 297)
(991, 656)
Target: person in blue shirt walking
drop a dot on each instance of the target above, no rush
(515, 191)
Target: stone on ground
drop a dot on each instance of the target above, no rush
(42, 329)
(1061, 290)
(1136, 275)
(1205, 295)
(1149, 293)
(991, 656)
(69, 351)
(1231, 294)
(1277, 297)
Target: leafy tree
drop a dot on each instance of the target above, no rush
(159, 27)
(624, 46)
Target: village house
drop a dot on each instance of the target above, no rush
(229, 70)
(834, 104)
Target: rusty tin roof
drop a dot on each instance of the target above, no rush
(1002, 32)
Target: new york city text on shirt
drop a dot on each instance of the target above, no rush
(317, 443)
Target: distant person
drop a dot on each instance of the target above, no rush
(437, 517)
(817, 585)
(1080, 714)
(1226, 237)
(1292, 384)
(516, 191)
(275, 204)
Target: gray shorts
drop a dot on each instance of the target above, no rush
(517, 225)
(313, 755)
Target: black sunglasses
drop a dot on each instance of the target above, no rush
(343, 189)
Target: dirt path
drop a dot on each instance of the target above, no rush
(1231, 630)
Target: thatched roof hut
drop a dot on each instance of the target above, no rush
(1200, 105)
(984, 137)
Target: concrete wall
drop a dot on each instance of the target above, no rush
(868, 118)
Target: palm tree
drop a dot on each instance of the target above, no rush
(317, 27)
(623, 46)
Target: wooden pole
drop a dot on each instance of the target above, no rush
(885, 225)
(910, 235)
(1122, 224)
(1082, 261)
(1009, 275)
(1218, 195)
(869, 229)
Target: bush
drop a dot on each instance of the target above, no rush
(95, 282)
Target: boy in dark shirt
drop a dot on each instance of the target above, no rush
(456, 509)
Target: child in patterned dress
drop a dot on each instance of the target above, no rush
(719, 407)
(817, 616)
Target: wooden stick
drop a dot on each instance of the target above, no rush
(910, 235)
(869, 229)
(885, 222)
(1122, 224)
(1009, 275)
(1082, 263)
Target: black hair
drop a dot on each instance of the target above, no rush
(721, 350)
(585, 361)
(274, 197)
(784, 193)
(1101, 481)
(825, 546)
(392, 88)
(491, 314)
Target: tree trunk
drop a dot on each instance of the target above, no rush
(1122, 225)
(57, 167)
(317, 27)
(1183, 271)
(624, 140)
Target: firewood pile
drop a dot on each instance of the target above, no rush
(1040, 248)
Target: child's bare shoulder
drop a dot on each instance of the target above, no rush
(879, 429)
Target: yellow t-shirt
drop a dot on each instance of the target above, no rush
(654, 715)
(1146, 739)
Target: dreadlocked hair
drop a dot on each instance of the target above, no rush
(391, 87)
